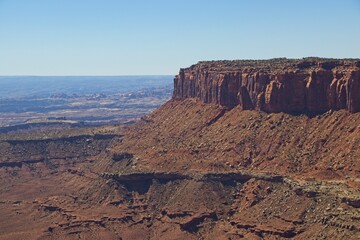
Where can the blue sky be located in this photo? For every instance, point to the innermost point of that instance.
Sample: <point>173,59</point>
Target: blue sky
<point>134,37</point>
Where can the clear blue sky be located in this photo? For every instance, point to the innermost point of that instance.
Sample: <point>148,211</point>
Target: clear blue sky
<point>122,37</point>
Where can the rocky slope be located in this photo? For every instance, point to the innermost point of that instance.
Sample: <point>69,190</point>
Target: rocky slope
<point>190,136</point>
<point>310,85</point>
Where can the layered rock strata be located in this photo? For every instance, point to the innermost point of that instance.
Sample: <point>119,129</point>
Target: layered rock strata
<point>309,85</point>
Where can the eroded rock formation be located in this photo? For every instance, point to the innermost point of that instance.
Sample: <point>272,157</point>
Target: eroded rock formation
<point>309,86</point>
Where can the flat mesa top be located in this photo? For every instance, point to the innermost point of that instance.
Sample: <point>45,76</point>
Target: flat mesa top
<point>278,64</point>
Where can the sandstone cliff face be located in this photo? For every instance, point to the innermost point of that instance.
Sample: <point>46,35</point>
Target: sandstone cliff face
<point>310,85</point>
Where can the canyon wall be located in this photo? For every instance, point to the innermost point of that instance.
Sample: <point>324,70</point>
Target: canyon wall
<point>309,85</point>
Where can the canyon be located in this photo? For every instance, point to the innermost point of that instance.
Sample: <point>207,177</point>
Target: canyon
<point>245,149</point>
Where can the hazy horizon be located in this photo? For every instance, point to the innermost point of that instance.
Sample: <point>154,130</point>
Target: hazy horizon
<point>123,75</point>
<point>45,86</point>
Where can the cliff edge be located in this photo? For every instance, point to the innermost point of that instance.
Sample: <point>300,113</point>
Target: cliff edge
<point>309,85</point>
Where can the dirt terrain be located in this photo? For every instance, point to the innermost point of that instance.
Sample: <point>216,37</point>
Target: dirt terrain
<point>189,170</point>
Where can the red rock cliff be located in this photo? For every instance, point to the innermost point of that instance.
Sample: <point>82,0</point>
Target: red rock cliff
<point>309,85</point>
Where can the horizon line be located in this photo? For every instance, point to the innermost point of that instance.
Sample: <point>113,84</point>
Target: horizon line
<point>120,75</point>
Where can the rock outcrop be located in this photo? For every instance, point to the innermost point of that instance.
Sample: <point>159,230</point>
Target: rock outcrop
<point>309,85</point>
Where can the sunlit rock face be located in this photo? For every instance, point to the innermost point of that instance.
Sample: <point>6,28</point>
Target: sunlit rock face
<point>309,85</point>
